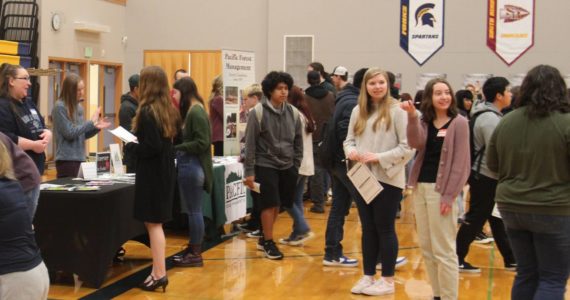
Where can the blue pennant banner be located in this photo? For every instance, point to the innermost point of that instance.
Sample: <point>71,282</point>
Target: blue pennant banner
<point>421,28</point>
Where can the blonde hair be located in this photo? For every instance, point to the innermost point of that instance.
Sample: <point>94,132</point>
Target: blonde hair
<point>365,104</point>
<point>253,90</point>
<point>217,86</point>
<point>154,96</point>
<point>6,169</point>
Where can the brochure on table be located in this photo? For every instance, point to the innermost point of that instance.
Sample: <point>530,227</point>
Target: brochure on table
<point>116,159</point>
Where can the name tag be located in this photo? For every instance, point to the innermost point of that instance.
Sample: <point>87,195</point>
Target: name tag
<point>34,112</point>
<point>441,132</point>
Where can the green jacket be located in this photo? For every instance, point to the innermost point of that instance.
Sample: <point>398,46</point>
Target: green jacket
<point>532,159</point>
<point>196,140</point>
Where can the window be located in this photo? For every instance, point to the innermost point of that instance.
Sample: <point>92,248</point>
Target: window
<point>298,54</point>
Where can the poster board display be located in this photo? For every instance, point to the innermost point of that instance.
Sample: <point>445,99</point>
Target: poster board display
<point>238,69</point>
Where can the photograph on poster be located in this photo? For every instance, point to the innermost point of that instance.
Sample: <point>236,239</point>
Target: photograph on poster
<point>242,108</point>
<point>231,125</point>
<point>231,95</point>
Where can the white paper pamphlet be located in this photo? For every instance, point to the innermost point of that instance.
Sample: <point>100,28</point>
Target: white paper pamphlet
<point>256,187</point>
<point>124,135</point>
<point>365,182</point>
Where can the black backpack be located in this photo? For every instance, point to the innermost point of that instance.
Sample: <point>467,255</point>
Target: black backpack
<point>477,156</point>
<point>326,148</point>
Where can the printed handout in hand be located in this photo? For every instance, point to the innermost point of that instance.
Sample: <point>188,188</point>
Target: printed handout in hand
<point>256,187</point>
<point>124,135</point>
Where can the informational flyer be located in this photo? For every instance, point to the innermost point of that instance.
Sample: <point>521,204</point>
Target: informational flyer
<point>423,79</point>
<point>238,69</point>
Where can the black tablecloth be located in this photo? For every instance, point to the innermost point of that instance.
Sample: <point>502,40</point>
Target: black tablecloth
<point>80,232</point>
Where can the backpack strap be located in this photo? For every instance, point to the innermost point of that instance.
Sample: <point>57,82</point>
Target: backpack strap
<point>479,154</point>
<point>258,112</point>
<point>295,113</point>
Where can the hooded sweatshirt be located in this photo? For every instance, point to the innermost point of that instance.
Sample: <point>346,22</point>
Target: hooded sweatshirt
<point>483,129</point>
<point>321,104</point>
<point>346,100</point>
<point>127,111</point>
<point>276,142</point>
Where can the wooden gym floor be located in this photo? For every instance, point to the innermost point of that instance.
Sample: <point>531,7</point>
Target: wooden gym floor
<point>234,269</point>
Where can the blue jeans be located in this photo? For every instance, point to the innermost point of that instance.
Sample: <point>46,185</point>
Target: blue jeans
<point>33,197</point>
<point>300,225</point>
<point>191,186</point>
<point>541,244</point>
<point>343,193</point>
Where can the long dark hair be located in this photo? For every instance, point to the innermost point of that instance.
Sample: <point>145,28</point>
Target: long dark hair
<point>427,109</point>
<point>297,99</point>
<point>460,96</point>
<point>154,96</point>
<point>543,91</point>
<point>188,91</point>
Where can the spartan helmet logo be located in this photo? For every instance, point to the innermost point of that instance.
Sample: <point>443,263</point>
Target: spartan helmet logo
<point>423,14</point>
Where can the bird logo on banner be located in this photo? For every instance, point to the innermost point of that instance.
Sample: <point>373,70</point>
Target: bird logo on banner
<point>423,13</point>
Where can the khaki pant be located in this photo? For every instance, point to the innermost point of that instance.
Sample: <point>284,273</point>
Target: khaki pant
<point>436,234</point>
<point>31,284</point>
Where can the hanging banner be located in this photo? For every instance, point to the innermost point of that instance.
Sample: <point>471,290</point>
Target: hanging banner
<point>510,28</point>
<point>238,69</point>
<point>421,28</point>
<point>236,201</point>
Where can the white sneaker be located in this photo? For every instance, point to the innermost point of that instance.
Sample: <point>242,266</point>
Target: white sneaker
<point>400,262</point>
<point>380,287</point>
<point>362,284</point>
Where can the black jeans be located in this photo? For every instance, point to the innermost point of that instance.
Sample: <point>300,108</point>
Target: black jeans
<point>378,221</point>
<point>343,193</point>
<point>317,181</point>
<point>255,221</point>
<point>482,191</point>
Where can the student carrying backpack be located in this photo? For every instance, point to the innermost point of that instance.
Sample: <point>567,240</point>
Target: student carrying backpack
<point>477,155</point>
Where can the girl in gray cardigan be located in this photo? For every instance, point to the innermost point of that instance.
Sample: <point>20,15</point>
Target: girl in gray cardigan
<point>70,129</point>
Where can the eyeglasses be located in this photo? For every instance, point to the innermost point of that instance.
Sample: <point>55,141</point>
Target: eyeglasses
<point>23,78</point>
